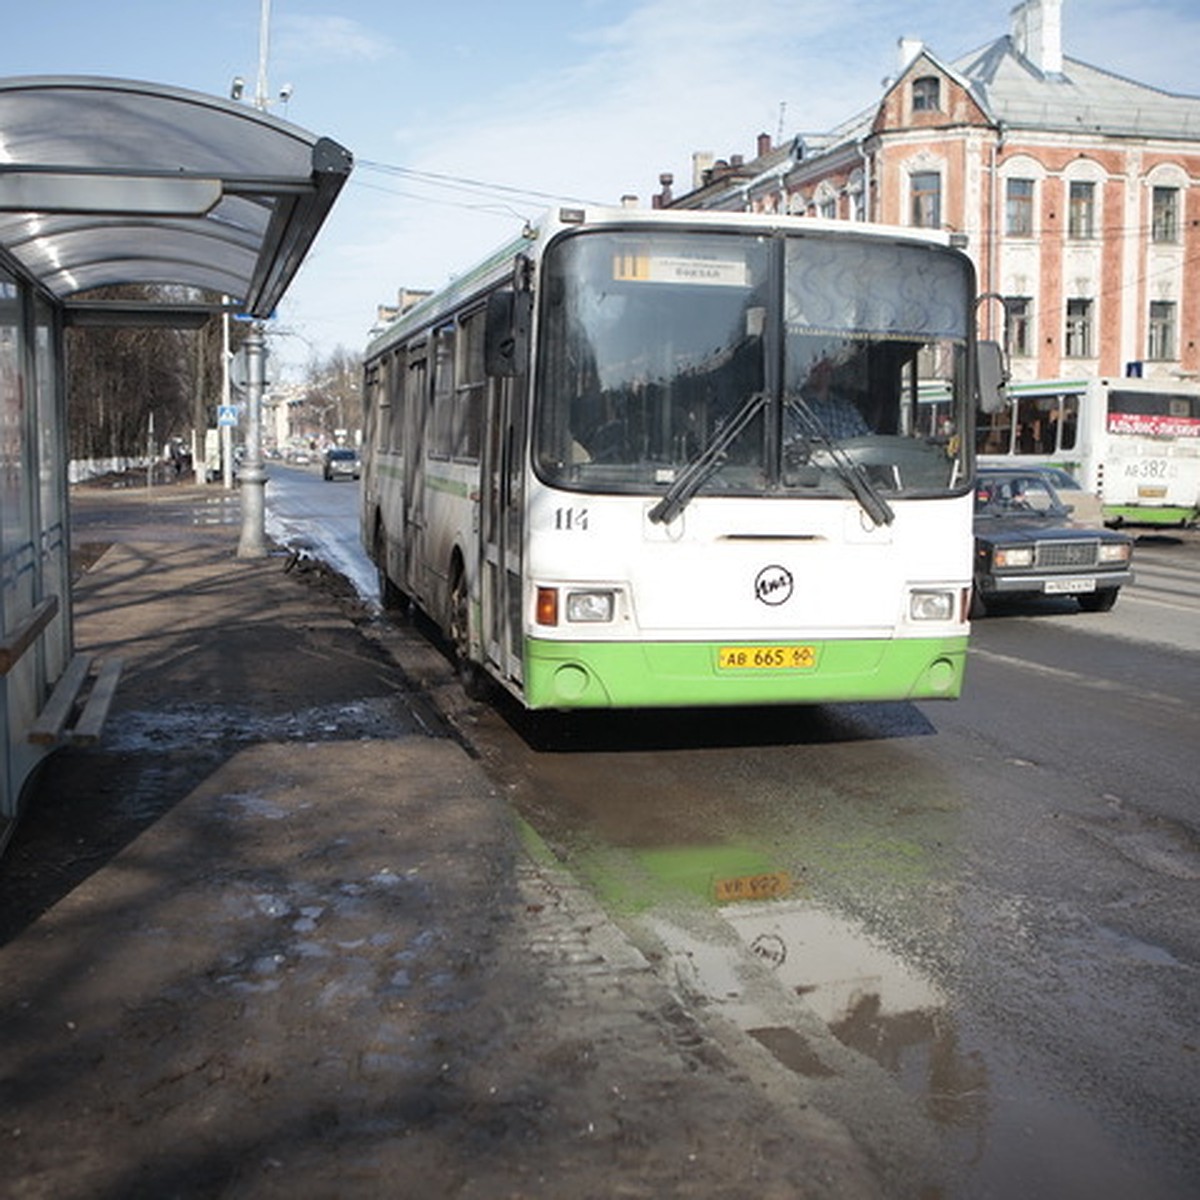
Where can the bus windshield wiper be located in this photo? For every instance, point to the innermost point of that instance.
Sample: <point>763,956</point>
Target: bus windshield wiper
<point>854,474</point>
<point>707,462</point>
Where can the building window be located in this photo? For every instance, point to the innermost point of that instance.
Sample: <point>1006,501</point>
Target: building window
<point>1160,343</point>
<point>927,199</point>
<point>927,94</point>
<point>1164,218</point>
<point>1081,211</point>
<point>1018,208</point>
<point>1079,328</point>
<point>827,207</point>
<point>1018,311</point>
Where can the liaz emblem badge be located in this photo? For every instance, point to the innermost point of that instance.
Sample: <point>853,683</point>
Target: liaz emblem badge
<point>773,585</point>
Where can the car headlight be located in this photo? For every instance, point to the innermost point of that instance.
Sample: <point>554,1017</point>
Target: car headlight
<point>1114,552</point>
<point>1013,556</point>
<point>931,606</point>
<point>590,607</point>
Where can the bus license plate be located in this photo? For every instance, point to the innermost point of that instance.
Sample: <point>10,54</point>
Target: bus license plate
<point>766,658</point>
<point>1068,587</point>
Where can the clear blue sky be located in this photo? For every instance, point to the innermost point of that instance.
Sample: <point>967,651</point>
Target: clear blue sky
<point>589,99</point>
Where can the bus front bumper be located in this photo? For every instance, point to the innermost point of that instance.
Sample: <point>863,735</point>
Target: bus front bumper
<point>566,675</point>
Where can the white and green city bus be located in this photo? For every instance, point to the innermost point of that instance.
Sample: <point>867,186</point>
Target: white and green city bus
<point>1133,442</point>
<point>674,459</point>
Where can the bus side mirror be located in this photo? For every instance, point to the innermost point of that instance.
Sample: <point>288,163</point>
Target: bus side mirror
<point>506,332</point>
<point>992,378</point>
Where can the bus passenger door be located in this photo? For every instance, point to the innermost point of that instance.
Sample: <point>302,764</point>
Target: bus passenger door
<point>503,504</point>
<point>416,413</point>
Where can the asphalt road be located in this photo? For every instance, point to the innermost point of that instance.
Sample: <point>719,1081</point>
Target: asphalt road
<point>984,913</point>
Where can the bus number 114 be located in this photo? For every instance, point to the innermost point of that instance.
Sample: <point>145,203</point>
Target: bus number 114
<point>567,519</point>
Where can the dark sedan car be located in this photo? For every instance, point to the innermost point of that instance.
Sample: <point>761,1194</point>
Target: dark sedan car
<point>1027,545</point>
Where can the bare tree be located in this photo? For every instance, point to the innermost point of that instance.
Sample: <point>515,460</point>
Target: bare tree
<point>123,382</point>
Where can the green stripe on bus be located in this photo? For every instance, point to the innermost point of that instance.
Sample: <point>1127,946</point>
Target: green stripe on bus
<point>685,674</point>
<point>1136,514</point>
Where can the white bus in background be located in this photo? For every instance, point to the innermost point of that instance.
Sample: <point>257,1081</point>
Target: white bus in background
<point>596,461</point>
<point>1134,443</point>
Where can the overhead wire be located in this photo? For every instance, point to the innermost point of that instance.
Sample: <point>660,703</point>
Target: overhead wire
<point>465,184</point>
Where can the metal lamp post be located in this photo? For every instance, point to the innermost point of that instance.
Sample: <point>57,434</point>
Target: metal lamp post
<point>253,543</point>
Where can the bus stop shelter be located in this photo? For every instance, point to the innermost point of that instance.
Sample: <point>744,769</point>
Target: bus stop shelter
<point>104,182</point>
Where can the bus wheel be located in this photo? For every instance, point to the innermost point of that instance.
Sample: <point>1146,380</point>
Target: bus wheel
<point>392,600</point>
<point>470,674</point>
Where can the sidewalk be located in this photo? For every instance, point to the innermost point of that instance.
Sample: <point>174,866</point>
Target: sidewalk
<point>279,935</point>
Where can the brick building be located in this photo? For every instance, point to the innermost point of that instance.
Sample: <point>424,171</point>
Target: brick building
<point>1076,192</point>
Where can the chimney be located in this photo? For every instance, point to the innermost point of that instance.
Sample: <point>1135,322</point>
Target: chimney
<point>663,199</point>
<point>1037,34</point>
<point>907,48</point>
<point>702,165</point>
<point>764,145</point>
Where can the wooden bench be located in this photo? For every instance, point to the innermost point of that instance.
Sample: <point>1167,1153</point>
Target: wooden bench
<point>52,725</point>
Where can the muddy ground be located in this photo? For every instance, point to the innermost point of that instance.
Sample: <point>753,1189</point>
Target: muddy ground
<point>280,935</point>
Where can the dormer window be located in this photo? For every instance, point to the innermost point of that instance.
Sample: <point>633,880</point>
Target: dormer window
<point>927,94</point>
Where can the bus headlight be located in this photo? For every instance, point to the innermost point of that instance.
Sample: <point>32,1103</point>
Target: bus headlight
<point>590,607</point>
<point>931,606</point>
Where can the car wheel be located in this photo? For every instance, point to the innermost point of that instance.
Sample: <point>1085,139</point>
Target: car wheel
<point>1101,601</point>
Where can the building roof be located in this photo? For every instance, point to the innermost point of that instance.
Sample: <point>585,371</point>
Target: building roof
<point>1083,98</point>
<point>113,181</point>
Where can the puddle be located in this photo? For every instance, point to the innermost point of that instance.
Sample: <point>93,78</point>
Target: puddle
<point>777,964</point>
<point>828,962</point>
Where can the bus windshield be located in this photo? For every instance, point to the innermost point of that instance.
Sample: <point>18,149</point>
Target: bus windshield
<point>748,364</point>
<point>1155,414</point>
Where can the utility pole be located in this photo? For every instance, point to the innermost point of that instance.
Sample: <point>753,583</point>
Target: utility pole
<point>253,543</point>
<point>253,478</point>
<point>264,42</point>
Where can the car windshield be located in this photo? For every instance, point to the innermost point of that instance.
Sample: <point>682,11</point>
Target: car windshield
<point>1017,495</point>
<point>342,454</point>
<point>675,363</point>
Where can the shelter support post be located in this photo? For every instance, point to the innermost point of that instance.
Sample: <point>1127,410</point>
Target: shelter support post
<point>253,543</point>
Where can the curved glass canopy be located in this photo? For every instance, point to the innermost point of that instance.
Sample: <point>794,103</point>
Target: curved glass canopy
<point>112,181</point>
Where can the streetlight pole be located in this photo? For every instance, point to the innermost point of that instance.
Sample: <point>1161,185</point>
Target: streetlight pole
<point>253,543</point>
<point>264,42</point>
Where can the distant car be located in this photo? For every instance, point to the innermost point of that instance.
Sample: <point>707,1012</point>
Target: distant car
<point>1027,545</point>
<point>342,463</point>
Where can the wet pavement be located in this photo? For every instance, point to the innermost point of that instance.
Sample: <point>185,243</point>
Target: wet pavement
<point>280,934</point>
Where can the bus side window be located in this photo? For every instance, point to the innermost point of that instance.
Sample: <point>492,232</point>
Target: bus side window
<point>992,432</point>
<point>441,433</point>
<point>391,429</point>
<point>1070,422</point>
<point>467,432</point>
